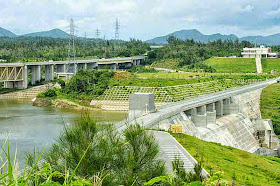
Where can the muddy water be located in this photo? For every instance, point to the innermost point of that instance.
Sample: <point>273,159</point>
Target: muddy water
<point>30,127</point>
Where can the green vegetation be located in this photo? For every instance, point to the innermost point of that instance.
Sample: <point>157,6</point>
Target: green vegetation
<point>232,65</point>
<point>172,79</point>
<point>188,54</point>
<point>270,105</point>
<point>27,49</point>
<point>87,84</point>
<point>242,167</point>
<point>270,64</point>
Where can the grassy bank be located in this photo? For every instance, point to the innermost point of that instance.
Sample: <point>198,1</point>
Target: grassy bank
<point>172,79</point>
<point>270,105</point>
<point>239,65</point>
<point>270,64</point>
<point>247,168</point>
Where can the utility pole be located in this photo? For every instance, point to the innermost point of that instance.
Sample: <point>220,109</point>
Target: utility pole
<point>117,30</point>
<point>97,33</point>
<point>85,43</point>
<point>72,47</point>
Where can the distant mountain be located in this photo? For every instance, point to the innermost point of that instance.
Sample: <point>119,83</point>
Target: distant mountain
<point>266,40</point>
<point>6,33</point>
<point>192,34</point>
<point>54,33</point>
<point>197,36</point>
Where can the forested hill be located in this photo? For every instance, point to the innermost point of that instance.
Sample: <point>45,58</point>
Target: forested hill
<point>271,40</point>
<point>6,33</point>
<point>192,34</point>
<point>54,33</point>
<point>26,49</point>
<point>188,54</point>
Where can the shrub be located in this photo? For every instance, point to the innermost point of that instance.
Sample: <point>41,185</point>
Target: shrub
<point>61,82</point>
<point>50,93</point>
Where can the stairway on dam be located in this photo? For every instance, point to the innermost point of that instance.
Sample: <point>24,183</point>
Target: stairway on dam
<point>170,149</point>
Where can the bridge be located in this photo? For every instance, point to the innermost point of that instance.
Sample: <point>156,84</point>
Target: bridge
<point>16,75</point>
<point>230,117</point>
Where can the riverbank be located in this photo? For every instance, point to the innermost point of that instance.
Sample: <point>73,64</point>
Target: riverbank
<point>61,104</point>
<point>29,93</point>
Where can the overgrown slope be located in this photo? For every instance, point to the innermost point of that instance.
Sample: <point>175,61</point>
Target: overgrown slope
<point>270,105</point>
<point>232,64</point>
<point>247,168</point>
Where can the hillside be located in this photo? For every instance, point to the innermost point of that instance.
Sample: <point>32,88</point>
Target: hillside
<point>192,34</point>
<point>54,33</point>
<point>270,101</point>
<point>239,65</point>
<point>198,36</point>
<point>247,168</point>
<point>6,33</point>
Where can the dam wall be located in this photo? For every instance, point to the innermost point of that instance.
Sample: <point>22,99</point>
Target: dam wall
<point>231,118</point>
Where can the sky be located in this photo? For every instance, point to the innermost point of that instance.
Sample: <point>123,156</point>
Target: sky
<point>142,19</point>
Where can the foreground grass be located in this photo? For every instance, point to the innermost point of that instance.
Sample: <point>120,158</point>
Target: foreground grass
<point>247,168</point>
<point>239,65</point>
<point>270,105</point>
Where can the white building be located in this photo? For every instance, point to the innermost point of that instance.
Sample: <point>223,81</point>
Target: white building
<point>262,51</point>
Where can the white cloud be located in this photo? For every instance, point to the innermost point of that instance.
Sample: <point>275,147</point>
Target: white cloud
<point>142,19</point>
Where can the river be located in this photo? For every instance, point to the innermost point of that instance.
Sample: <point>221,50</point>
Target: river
<point>30,127</point>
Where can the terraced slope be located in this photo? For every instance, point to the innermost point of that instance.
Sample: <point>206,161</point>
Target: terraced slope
<point>233,65</point>
<point>173,93</point>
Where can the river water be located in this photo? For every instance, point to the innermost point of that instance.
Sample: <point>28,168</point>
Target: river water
<point>30,127</point>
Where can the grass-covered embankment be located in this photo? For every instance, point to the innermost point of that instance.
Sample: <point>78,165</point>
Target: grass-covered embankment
<point>270,64</point>
<point>247,168</point>
<point>239,65</point>
<point>270,105</point>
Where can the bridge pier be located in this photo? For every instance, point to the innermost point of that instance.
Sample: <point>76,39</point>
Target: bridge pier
<point>49,72</point>
<point>81,66</point>
<point>61,68</point>
<point>211,113</point>
<point>35,74</point>
<point>229,107</point>
<point>219,108</point>
<point>201,118</point>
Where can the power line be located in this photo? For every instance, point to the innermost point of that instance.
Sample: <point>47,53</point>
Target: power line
<point>117,30</point>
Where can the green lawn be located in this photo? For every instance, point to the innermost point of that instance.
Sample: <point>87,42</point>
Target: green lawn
<point>234,65</point>
<point>270,105</point>
<point>248,168</point>
<point>270,64</point>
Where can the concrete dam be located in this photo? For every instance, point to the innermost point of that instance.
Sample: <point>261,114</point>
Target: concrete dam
<point>230,117</point>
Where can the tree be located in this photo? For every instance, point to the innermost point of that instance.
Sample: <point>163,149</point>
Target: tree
<point>132,159</point>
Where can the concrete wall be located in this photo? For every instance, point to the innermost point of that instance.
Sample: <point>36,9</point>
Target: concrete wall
<point>234,121</point>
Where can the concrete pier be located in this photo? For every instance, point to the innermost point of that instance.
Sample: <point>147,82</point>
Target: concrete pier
<point>49,72</point>
<point>35,74</point>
